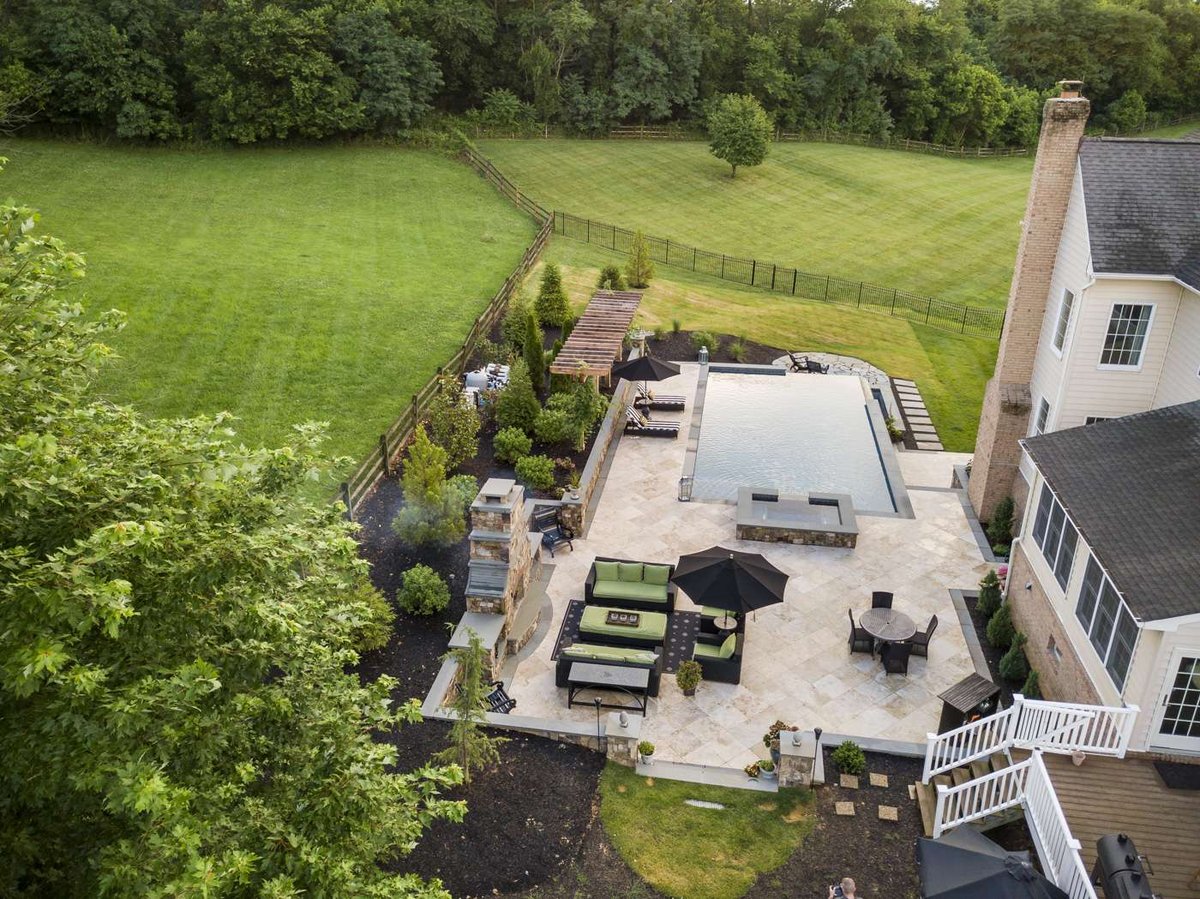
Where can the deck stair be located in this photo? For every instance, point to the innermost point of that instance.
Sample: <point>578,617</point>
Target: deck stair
<point>926,793</point>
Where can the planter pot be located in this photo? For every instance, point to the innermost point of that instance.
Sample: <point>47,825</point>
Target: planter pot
<point>1078,757</point>
<point>646,759</point>
<point>767,775</point>
<point>775,757</point>
<point>690,692</point>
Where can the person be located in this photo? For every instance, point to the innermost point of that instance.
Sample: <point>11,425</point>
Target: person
<point>845,889</point>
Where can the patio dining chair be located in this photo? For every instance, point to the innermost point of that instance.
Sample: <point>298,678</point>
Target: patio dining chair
<point>895,657</point>
<point>920,640</point>
<point>881,600</point>
<point>860,638</point>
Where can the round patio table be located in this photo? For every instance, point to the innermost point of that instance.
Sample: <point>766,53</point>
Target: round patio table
<point>887,625</point>
<point>726,623</point>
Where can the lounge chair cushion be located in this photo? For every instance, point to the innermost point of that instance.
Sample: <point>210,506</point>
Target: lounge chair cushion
<point>630,590</point>
<point>656,574</point>
<point>606,571</point>
<point>724,651</point>
<point>650,626</point>
<point>610,653</point>
<point>627,572</point>
<point>715,612</point>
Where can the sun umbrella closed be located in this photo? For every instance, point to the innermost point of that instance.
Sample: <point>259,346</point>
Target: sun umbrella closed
<point>964,864</point>
<point>728,579</point>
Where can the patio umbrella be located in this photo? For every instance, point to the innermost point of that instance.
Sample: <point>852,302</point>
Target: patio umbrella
<point>645,368</point>
<point>964,864</point>
<point>730,580</point>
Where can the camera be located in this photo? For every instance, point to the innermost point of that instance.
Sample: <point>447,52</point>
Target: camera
<point>837,891</point>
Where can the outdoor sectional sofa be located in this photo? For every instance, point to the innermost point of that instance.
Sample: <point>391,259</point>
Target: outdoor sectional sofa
<point>650,631</point>
<point>625,584</point>
<point>628,656</point>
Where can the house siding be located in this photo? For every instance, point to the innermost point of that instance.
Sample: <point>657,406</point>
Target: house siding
<point>1148,678</point>
<point>1180,381</point>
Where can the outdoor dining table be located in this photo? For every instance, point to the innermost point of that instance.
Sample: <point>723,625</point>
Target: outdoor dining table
<point>887,625</point>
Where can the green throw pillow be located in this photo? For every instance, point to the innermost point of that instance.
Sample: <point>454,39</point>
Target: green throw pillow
<point>657,574</point>
<point>630,571</point>
<point>606,571</point>
<point>728,647</point>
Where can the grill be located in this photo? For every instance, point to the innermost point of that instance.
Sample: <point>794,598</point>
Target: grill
<point>1119,869</point>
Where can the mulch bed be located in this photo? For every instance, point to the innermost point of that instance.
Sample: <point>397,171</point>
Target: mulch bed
<point>879,855</point>
<point>990,653</point>
<point>678,347</point>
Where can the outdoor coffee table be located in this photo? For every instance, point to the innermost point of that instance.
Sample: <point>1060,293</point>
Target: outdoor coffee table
<point>887,625</point>
<point>627,679</point>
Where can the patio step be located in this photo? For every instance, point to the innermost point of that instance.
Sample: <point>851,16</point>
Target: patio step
<point>710,775</point>
<point>915,416</point>
<point>927,793</point>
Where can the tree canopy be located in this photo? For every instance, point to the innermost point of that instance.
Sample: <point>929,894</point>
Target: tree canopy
<point>249,70</point>
<point>739,131</point>
<point>175,630</point>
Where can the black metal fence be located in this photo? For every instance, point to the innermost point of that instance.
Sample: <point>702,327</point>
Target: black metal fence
<point>912,307</point>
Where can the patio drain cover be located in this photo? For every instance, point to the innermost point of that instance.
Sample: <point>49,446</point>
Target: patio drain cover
<point>701,803</point>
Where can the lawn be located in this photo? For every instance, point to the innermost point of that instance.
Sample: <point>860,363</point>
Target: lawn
<point>949,369</point>
<point>700,853</point>
<point>282,285</point>
<point>942,227</point>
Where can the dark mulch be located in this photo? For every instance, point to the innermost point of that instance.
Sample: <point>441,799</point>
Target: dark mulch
<point>678,347</point>
<point>879,855</point>
<point>990,653</point>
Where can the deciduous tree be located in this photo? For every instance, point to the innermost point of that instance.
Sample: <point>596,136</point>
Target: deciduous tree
<point>739,131</point>
<point>639,268</point>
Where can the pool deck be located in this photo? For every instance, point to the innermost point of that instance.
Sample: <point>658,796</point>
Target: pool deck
<point>796,666</point>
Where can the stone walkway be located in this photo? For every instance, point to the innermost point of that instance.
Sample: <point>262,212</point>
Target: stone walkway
<point>797,667</point>
<point>916,416</point>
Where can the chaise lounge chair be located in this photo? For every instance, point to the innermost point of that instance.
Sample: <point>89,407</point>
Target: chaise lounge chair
<point>638,425</point>
<point>647,399</point>
<point>809,366</point>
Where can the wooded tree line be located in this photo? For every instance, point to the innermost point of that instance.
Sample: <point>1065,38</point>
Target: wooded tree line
<point>956,71</point>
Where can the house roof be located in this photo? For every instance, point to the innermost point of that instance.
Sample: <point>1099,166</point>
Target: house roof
<point>1132,487</point>
<point>1143,206</point>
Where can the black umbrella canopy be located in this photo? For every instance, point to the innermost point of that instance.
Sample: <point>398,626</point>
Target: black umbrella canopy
<point>645,368</point>
<point>728,579</point>
<point>964,864</point>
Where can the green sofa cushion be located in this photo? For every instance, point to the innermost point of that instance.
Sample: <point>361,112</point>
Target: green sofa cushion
<point>724,651</point>
<point>657,574</point>
<point>606,571</point>
<point>610,653</point>
<point>650,626</point>
<point>714,612</point>
<point>630,590</point>
<point>629,572</point>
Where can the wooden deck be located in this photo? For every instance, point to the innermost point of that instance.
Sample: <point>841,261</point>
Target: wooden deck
<point>1106,795</point>
<point>596,340</point>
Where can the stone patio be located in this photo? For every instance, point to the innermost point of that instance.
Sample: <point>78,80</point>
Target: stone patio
<point>796,665</point>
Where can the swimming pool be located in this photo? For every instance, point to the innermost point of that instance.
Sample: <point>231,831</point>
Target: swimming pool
<point>796,434</point>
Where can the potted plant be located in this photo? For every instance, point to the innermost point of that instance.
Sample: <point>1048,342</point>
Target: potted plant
<point>645,752</point>
<point>752,770</point>
<point>766,769</point>
<point>771,738</point>
<point>689,676</point>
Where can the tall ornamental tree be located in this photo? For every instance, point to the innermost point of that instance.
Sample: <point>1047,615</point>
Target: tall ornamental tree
<point>739,131</point>
<point>176,716</point>
<point>553,307</point>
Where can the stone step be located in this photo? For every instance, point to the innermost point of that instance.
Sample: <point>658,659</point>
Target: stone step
<point>930,447</point>
<point>904,382</point>
<point>924,429</point>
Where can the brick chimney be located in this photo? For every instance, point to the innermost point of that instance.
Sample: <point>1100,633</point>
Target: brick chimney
<point>1006,402</point>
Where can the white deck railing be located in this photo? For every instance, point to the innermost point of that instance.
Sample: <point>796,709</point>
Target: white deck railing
<point>1059,727</point>
<point>1026,784</point>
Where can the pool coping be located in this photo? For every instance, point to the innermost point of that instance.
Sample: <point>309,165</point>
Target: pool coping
<point>888,460</point>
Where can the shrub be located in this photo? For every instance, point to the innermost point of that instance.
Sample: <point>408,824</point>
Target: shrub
<point>536,472</point>
<point>373,631</point>
<point>512,328</point>
<point>517,405</point>
<point>611,279</point>
<point>676,327</point>
<point>534,355</point>
<point>1000,629</point>
<point>895,432</point>
<point>511,445</point>
<point>645,748</point>
<point>660,334</point>
<point>689,675</point>
<point>640,267</point>
<point>568,327</point>
<point>433,512</point>
<point>488,351</point>
<point>462,489</point>
<point>1031,689</point>
<point>849,758</point>
<point>999,529</point>
<point>989,595</point>
<point>555,425</point>
<point>469,746</point>
<point>422,591</point>
<point>737,349</point>
<point>552,305</point>
<point>452,422</point>
<point>1014,667</point>
<point>708,339</point>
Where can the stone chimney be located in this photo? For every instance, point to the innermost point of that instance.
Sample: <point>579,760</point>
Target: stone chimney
<point>1006,402</point>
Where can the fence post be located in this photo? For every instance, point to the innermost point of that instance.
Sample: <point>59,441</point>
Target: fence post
<point>860,289</point>
<point>589,230</point>
<point>826,287</point>
<point>893,301</point>
<point>773,268</point>
<point>345,491</point>
<point>668,259</point>
<point>963,329</point>
<point>795,273</point>
<point>753,270</point>
<point>693,258</point>
<point>928,309</point>
<point>722,265</point>
<point>384,454</point>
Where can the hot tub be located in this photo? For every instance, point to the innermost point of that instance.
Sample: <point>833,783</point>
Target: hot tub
<point>813,519</point>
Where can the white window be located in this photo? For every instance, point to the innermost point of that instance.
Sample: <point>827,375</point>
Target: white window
<point>1043,413</point>
<point>1107,622</point>
<point>1093,419</point>
<point>1055,536</point>
<point>1064,318</point>
<point>1126,337</point>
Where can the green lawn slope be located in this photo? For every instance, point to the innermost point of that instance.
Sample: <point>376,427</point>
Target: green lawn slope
<point>943,227</point>
<point>282,285</point>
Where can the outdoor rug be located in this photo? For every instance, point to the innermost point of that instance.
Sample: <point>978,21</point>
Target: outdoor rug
<point>1178,775</point>
<point>682,628</point>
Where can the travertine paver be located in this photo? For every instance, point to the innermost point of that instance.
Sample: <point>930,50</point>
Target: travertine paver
<point>889,813</point>
<point>878,780</point>
<point>849,781</point>
<point>797,667</point>
<point>845,809</point>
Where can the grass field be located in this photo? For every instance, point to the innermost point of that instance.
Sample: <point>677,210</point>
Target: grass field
<point>950,370</point>
<point>943,227</point>
<point>282,285</point>
<point>699,853</point>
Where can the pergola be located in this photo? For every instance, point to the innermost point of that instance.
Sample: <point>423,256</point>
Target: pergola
<point>596,340</point>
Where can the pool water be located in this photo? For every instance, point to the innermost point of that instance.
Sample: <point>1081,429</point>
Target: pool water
<point>797,434</point>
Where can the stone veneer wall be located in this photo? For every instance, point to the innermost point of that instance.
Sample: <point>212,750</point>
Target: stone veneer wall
<point>515,552</point>
<point>1064,679</point>
<point>576,513</point>
<point>1005,416</point>
<point>806,537</point>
